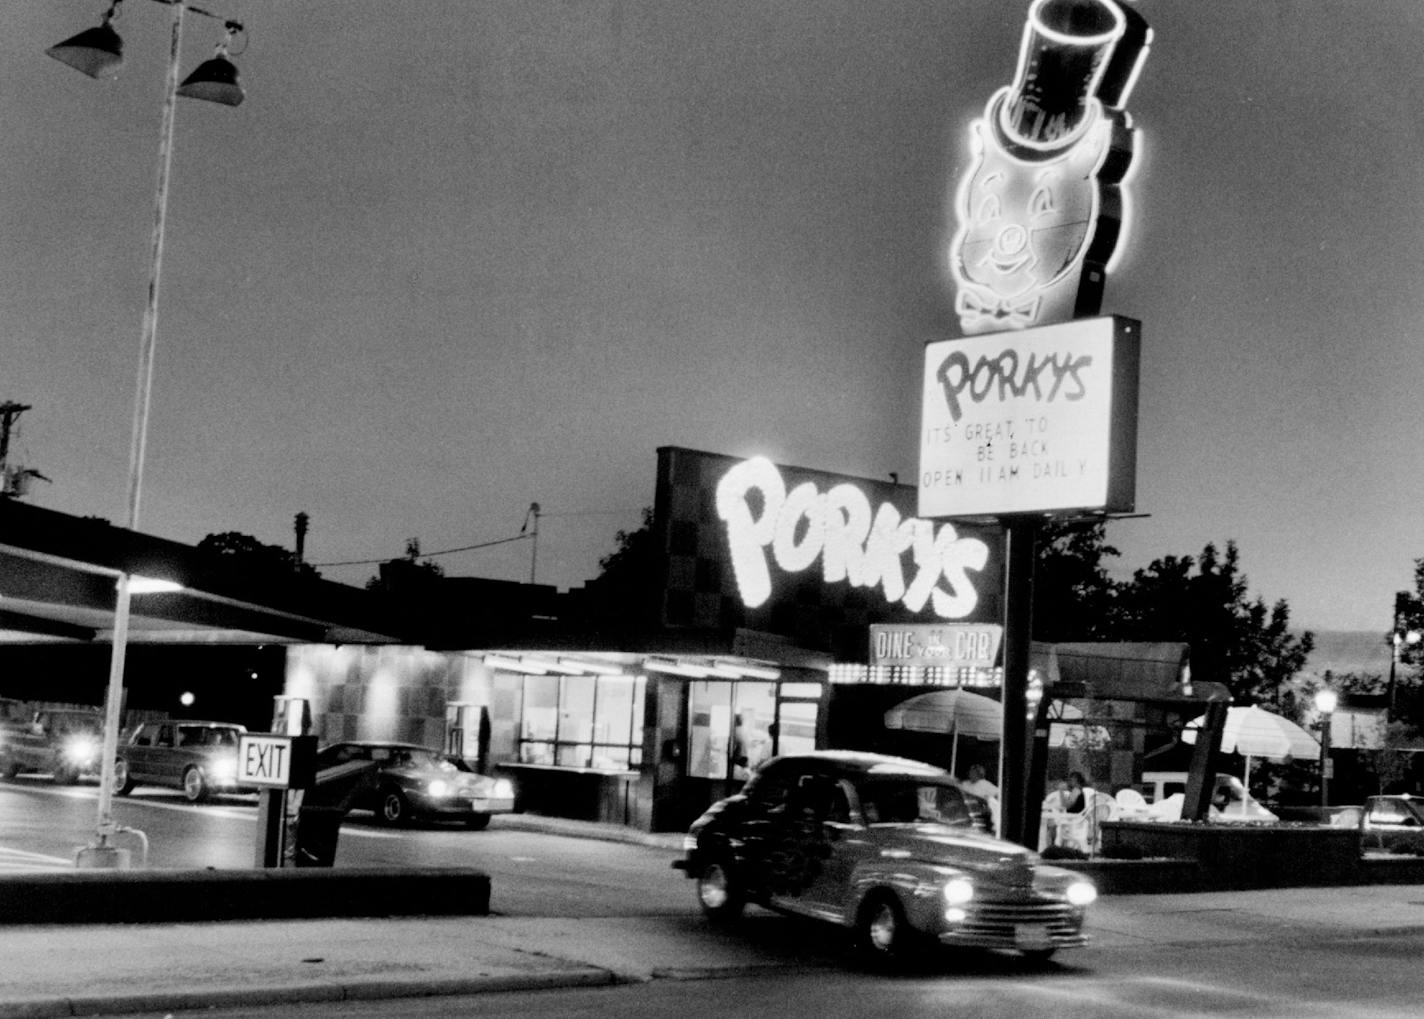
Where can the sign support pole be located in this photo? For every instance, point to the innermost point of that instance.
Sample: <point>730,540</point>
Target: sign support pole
<point>1020,535</point>
<point>271,827</point>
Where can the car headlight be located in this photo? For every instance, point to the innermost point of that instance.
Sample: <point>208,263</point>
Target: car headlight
<point>438,787</point>
<point>80,749</point>
<point>958,891</point>
<point>503,789</point>
<point>223,769</point>
<point>1080,893</point>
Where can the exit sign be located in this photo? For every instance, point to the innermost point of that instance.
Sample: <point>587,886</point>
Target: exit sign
<point>264,759</point>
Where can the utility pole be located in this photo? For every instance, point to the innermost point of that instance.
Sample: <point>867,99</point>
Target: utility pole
<point>533,514</point>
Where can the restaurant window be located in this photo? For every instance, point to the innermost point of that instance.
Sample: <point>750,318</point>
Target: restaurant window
<point>582,722</point>
<point>729,728</point>
<point>797,727</point>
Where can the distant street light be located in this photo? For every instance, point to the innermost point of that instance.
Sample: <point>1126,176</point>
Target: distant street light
<point>1325,703</point>
<point>1398,641</point>
<point>98,52</point>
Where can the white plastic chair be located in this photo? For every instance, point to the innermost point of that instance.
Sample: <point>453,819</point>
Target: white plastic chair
<point>1082,831</point>
<point>1131,803</point>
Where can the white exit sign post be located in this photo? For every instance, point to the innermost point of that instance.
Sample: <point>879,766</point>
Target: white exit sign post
<point>275,764</point>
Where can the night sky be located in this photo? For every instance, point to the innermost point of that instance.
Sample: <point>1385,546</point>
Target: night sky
<point>452,258</point>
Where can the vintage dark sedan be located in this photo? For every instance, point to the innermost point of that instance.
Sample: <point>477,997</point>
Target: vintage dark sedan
<point>416,782</point>
<point>884,846</point>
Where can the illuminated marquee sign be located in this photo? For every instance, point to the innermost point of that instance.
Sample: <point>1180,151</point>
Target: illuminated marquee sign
<point>854,543</point>
<point>1043,204</point>
<point>944,645</point>
<point>1034,421</point>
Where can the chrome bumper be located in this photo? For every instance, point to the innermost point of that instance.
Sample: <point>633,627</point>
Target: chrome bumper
<point>1023,926</point>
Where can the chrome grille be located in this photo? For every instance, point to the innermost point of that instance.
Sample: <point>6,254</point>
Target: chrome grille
<point>995,923</point>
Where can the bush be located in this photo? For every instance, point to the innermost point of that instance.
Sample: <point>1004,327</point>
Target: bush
<point>1063,853</point>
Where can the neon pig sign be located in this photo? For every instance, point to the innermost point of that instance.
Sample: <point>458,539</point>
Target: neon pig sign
<point>854,545</point>
<point>1043,204</point>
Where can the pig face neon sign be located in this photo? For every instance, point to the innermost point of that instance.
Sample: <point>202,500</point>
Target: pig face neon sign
<point>1042,206</point>
<point>855,545</point>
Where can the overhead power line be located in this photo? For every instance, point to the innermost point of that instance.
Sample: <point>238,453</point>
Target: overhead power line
<point>426,555</point>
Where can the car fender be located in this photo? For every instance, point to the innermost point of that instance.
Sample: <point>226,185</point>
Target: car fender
<point>918,885</point>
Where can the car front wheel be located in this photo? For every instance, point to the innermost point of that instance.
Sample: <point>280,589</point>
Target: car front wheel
<point>195,787</point>
<point>394,808</point>
<point>720,893</point>
<point>881,929</point>
<point>123,782</point>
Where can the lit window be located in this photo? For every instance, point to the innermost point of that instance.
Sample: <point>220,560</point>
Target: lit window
<point>582,722</point>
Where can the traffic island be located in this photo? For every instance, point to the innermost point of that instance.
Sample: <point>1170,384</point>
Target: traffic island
<point>187,896</point>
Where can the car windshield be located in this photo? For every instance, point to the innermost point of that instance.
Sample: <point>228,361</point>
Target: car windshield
<point>205,736</point>
<point>425,760</point>
<point>912,801</point>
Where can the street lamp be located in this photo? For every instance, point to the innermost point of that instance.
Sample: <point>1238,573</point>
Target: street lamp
<point>98,52</point>
<point>1325,702</point>
<point>1397,642</point>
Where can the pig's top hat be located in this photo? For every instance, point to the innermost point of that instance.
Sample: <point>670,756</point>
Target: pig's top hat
<point>1066,51</point>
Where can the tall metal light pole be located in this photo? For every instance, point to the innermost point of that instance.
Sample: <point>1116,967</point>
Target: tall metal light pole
<point>98,53</point>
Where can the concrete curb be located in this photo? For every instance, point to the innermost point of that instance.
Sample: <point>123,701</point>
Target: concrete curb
<point>50,1007</point>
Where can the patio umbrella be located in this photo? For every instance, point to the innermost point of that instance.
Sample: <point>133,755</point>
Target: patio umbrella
<point>1254,732</point>
<point>954,711</point>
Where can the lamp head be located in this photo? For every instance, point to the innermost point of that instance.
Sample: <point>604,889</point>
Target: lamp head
<point>1326,701</point>
<point>215,81</point>
<point>97,52</point>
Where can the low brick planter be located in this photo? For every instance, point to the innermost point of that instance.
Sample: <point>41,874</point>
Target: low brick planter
<point>1246,855</point>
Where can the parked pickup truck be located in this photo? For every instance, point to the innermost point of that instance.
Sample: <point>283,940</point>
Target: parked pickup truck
<point>1394,823</point>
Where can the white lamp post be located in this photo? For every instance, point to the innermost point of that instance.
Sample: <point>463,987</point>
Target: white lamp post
<point>1325,703</point>
<point>98,52</point>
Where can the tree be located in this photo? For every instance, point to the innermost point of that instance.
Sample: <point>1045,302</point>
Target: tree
<point>628,583</point>
<point>1074,599</point>
<point>246,552</point>
<point>1234,640</point>
<point>400,575</point>
<point>1392,762</point>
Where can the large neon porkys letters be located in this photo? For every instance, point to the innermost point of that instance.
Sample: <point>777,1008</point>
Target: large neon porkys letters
<point>853,545</point>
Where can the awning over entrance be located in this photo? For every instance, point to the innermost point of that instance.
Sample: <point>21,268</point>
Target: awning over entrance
<point>57,585</point>
<point>1150,672</point>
